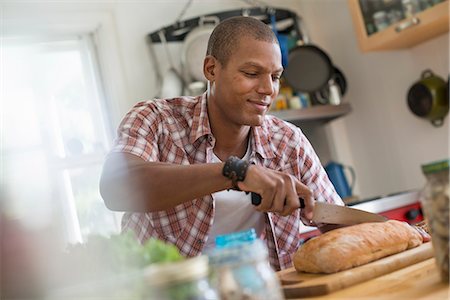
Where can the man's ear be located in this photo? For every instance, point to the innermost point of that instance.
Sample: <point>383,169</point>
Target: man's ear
<point>210,65</point>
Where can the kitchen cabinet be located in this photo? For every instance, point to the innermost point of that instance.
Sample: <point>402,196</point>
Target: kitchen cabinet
<point>392,24</point>
<point>318,114</point>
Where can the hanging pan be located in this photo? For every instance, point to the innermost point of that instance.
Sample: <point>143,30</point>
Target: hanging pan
<point>309,67</point>
<point>428,98</point>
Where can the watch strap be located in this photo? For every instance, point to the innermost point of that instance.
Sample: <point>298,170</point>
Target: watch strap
<point>236,170</point>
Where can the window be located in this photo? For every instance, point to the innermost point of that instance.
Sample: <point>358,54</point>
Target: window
<point>55,134</point>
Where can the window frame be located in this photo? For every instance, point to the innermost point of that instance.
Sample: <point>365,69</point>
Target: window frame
<point>97,30</point>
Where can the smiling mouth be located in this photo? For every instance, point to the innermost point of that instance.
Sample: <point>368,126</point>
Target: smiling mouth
<point>259,103</point>
<point>259,107</point>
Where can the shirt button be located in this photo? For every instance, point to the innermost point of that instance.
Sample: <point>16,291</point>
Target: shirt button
<point>210,139</point>
<point>199,241</point>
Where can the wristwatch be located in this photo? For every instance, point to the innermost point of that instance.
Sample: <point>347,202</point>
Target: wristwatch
<point>235,169</point>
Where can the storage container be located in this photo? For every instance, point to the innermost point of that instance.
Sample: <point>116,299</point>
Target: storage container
<point>435,203</point>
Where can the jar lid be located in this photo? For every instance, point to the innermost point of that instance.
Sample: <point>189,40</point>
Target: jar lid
<point>436,166</point>
<point>235,238</point>
<point>164,274</point>
<point>248,252</point>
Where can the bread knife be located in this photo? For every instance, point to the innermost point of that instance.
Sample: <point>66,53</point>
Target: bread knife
<point>326,213</point>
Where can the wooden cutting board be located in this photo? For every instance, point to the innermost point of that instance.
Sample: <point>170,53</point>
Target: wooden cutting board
<point>297,285</point>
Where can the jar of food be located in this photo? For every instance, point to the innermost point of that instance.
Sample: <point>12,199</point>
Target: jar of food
<point>435,204</point>
<point>183,280</point>
<point>381,20</point>
<point>411,7</point>
<point>240,268</point>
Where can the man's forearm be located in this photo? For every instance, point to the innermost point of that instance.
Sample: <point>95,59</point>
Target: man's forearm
<point>129,183</point>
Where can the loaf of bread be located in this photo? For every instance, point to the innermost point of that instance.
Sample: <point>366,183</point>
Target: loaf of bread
<point>356,245</point>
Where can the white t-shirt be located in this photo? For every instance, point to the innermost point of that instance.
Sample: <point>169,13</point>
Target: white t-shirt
<point>233,212</point>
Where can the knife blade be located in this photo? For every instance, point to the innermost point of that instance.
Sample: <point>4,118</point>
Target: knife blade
<point>333,214</point>
<point>327,213</point>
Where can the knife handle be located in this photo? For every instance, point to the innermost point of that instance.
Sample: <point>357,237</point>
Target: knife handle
<point>256,200</point>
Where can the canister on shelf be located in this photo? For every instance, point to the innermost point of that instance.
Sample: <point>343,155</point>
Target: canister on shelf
<point>281,102</point>
<point>435,203</point>
<point>334,93</point>
<point>295,102</point>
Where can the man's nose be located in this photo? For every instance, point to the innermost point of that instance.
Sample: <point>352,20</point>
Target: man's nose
<point>266,85</point>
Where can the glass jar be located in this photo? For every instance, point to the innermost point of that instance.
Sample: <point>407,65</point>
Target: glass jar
<point>241,270</point>
<point>381,20</point>
<point>411,7</point>
<point>184,280</point>
<point>435,204</point>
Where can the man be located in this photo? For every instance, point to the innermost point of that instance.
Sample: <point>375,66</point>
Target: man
<point>178,164</point>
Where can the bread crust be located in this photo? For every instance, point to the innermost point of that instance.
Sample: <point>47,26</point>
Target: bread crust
<point>352,246</point>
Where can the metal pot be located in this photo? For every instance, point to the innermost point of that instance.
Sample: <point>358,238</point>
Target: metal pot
<point>428,98</point>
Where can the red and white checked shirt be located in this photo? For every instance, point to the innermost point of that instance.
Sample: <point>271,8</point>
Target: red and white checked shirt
<point>178,131</point>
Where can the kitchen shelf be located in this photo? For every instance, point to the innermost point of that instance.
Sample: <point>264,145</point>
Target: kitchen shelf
<point>317,113</point>
<point>405,33</point>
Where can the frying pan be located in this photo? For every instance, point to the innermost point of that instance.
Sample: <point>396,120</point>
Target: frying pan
<point>309,67</point>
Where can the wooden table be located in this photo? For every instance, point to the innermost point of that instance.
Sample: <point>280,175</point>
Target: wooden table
<point>418,281</point>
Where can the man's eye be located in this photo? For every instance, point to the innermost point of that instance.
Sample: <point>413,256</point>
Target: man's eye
<point>276,77</point>
<point>250,74</point>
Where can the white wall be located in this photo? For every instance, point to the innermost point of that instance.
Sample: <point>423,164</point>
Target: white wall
<point>381,139</point>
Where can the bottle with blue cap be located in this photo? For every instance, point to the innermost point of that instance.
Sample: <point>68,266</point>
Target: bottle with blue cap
<point>240,268</point>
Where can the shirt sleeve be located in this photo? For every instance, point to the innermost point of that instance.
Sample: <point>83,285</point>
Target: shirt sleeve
<point>137,133</point>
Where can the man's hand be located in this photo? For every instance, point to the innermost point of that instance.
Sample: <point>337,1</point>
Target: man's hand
<point>280,192</point>
<point>422,228</point>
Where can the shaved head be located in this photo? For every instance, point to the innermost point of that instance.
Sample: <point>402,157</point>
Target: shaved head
<point>226,36</point>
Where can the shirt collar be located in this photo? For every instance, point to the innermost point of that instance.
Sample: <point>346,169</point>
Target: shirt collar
<point>261,141</point>
<point>200,120</point>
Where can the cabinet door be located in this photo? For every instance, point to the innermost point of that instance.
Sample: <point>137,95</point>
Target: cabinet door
<point>413,26</point>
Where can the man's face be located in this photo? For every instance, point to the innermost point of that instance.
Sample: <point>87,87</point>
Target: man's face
<point>246,86</point>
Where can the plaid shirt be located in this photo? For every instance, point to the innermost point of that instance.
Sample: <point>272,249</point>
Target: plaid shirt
<point>178,131</point>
